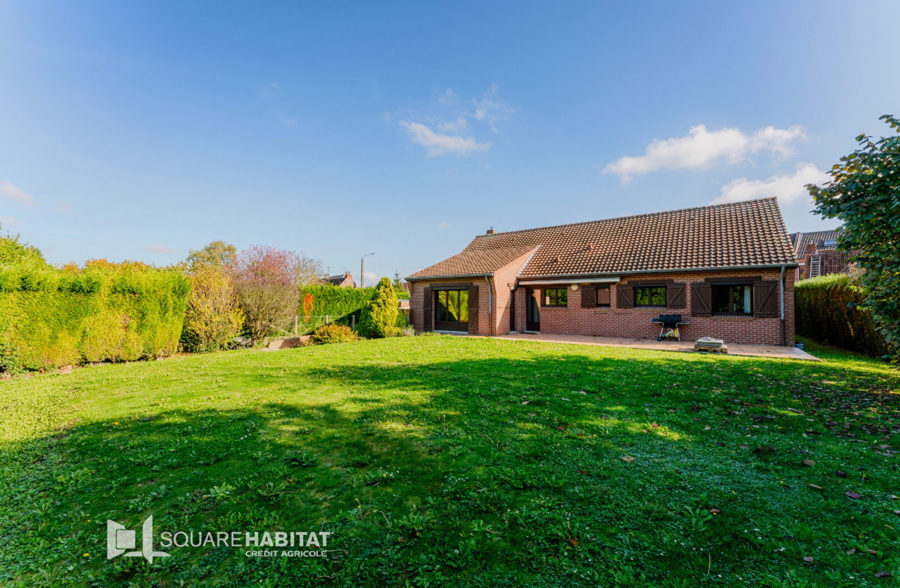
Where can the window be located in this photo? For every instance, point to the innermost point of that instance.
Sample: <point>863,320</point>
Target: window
<point>603,296</point>
<point>650,296</point>
<point>556,297</point>
<point>451,306</point>
<point>735,299</point>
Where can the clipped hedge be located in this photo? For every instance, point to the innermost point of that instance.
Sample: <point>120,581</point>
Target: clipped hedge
<point>338,304</point>
<point>828,310</point>
<point>51,318</point>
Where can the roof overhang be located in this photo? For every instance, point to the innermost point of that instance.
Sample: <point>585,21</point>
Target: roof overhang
<point>539,282</point>
<point>584,277</point>
<point>448,277</point>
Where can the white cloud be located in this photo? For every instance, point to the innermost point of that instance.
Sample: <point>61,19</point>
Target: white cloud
<point>371,278</point>
<point>457,126</point>
<point>448,98</point>
<point>158,249</point>
<point>8,221</point>
<point>438,144</point>
<point>491,109</point>
<point>702,148</point>
<point>10,192</point>
<point>63,206</point>
<point>443,225</point>
<point>788,188</point>
<point>453,126</point>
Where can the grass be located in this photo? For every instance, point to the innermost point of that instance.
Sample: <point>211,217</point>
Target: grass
<point>437,460</point>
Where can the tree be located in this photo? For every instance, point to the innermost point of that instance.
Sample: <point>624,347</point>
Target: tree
<point>217,253</point>
<point>379,316</point>
<point>864,193</point>
<point>399,287</point>
<point>267,282</point>
<point>14,252</point>
<point>212,319</point>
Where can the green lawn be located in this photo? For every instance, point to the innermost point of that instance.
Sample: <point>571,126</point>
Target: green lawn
<point>436,460</point>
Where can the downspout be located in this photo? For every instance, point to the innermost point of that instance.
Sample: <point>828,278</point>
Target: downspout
<point>781,290</point>
<point>490,306</point>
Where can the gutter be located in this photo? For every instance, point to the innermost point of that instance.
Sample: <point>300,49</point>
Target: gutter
<point>585,278</point>
<point>781,291</point>
<point>490,305</point>
<point>447,277</point>
<point>572,281</point>
<point>668,271</point>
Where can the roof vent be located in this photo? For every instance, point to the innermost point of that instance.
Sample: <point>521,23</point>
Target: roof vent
<point>557,259</point>
<point>491,231</point>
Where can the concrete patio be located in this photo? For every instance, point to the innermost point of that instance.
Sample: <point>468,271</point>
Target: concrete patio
<point>773,351</point>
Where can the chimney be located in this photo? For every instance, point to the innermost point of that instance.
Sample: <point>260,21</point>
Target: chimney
<point>491,231</point>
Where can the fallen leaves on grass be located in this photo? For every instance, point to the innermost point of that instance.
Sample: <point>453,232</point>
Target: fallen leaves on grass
<point>627,458</point>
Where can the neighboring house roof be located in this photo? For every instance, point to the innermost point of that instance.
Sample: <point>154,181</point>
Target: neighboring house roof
<point>740,234</point>
<point>818,238</point>
<point>340,280</point>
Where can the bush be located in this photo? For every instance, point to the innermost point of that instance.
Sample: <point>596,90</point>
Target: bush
<point>828,309</point>
<point>862,192</point>
<point>379,316</point>
<point>213,319</point>
<point>338,304</point>
<point>104,312</point>
<point>327,334</point>
<point>267,282</point>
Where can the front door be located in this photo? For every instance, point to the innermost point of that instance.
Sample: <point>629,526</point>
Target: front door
<point>532,310</point>
<point>451,310</point>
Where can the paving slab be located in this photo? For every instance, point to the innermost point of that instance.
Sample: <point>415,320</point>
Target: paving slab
<point>775,351</point>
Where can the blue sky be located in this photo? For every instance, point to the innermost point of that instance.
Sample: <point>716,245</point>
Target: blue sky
<point>140,130</point>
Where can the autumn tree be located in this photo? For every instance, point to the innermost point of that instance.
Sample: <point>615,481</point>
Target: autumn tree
<point>267,282</point>
<point>212,319</point>
<point>864,193</point>
<point>217,253</point>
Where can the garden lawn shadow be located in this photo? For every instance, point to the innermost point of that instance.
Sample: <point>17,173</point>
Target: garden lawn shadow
<point>436,460</point>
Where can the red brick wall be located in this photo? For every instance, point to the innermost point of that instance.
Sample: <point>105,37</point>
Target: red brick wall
<point>626,322</point>
<point>417,302</point>
<point>500,287</point>
<point>832,262</point>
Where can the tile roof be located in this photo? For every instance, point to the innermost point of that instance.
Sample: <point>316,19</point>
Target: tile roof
<point>800,240</point>
<point>738,234</point>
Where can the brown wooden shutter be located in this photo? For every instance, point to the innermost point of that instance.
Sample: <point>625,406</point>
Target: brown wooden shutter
<point>427,313</point>
<point>624,296</point>
<point>473,309</point>
<point>676,295</point>
<point>588,297</point>
<point>701,299</point>
<point>765,299</point>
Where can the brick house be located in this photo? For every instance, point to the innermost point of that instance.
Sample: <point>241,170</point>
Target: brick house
<point>344,280</point>
<point>727,269</point>
<point>817,254</point>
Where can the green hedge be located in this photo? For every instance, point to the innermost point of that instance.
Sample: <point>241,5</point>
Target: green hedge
<point>827,310</point>
<point>337,303</point>
<point>50,318</point>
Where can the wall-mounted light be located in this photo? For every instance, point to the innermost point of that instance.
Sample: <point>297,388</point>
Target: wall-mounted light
<point>574,287</point>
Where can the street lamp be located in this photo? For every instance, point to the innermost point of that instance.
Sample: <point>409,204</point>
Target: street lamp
<point>362,269</point>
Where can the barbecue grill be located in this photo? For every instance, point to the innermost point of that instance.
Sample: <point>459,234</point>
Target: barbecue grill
<point>669,326</point>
